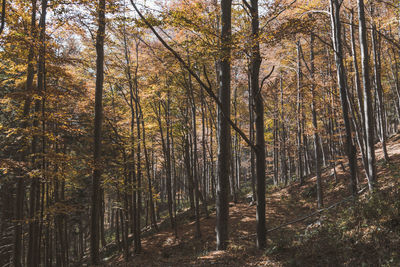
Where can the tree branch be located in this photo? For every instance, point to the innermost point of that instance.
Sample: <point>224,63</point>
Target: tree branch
<point>195,76</point>
<point>265,78</point>
<point>3,16</point>
<point>246,4</point>
<point>277,15</point>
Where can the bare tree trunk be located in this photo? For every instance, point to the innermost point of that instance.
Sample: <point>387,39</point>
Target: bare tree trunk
<point>359,127</point>
<point>396,87</point>
<point>137,239</point>
<point>299,117</point>
<point>213,182</point>
<point>320,199</point>
<point>232,181</point>
<point>189,173</point>
<point>276,138</point>
<point>368,112</point>
<point>203,143</point>
<point>379,89</point>
<point>124,215</point>
<point>341,78</point>
<point>252,155</point>
<point>168,164</point>
<point>96,186</point>
<point>284,174</point>
<point>224,134</point>
<point>259,121</point>
<point>195,158</point>
<point>151,200</point>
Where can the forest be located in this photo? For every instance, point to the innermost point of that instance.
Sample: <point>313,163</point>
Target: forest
<point>199,133</point>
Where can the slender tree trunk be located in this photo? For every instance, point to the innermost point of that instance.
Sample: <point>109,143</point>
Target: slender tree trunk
<point>299,115</point>
<point>96,183</point>
<point>368,112</point>
<point>284,174</point>
<point>203,143</point>
<point>232,181</point>
<point>320,199</point>
<point>341,78</point>
<point>189,174</point>
<point>166,150</point>
<point>379,90</point>
<point>259,122</point>
<point>276,138</point>
<point>224,134</point>
<point>252,154</point>
<point>124,215</point>
<point>194,157</point>
<point>360,129</point>
<point>357,80</point>
<point>138,244</point>
<point>396,87</point>
<point>151,200</point>
<point>169,166</point>
<point>212,172</point>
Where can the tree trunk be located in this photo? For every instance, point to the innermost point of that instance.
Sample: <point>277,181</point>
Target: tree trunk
<point>194,157</point>
<point>284,174</point>
<point>33,257</point>
<point>320,199</point>
<point>203,143</point>
<point>299,117</point>
<point>360,129</point>
<point>224,134</point>
<point>341,79</point>
<point>368,112</point>
<point>259,122</point>
<point>252,155</point>
<point>379,89</point>
<point>151,200</point>
<point>96,184</point>
<point>137,239</point>
<point>189,177</point>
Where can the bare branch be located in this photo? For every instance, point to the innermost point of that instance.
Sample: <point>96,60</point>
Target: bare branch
<point>3,16</point>
<point>195,76</point>
<point>266,78</point>
<point>277,15</point>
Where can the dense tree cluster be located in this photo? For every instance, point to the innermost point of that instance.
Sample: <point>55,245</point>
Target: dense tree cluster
<point>117,115</point>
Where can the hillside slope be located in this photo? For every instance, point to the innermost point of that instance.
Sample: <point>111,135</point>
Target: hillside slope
<point>362,232</point>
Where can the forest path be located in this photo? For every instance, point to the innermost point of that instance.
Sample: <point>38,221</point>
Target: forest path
<point>283,205</point>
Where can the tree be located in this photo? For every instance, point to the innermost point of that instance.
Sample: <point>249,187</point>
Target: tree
<point>255,63</point>
<point>97,159</point>
<point>317,146</point>
<point>342,82</point>
<point>368,112</point>
<point>224,133</point>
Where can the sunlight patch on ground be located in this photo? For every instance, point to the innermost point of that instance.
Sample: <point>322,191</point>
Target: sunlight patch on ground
<point>169,241</point>
<point>247,219</point>
<point>213,255</point>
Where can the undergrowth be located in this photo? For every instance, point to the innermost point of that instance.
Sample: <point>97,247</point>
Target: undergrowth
<point>365,232</point>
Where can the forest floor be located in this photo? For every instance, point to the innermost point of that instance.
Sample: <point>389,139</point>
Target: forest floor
<point>350,232</point>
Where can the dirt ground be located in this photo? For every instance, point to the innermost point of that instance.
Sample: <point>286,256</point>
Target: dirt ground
<point>283,205</point>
